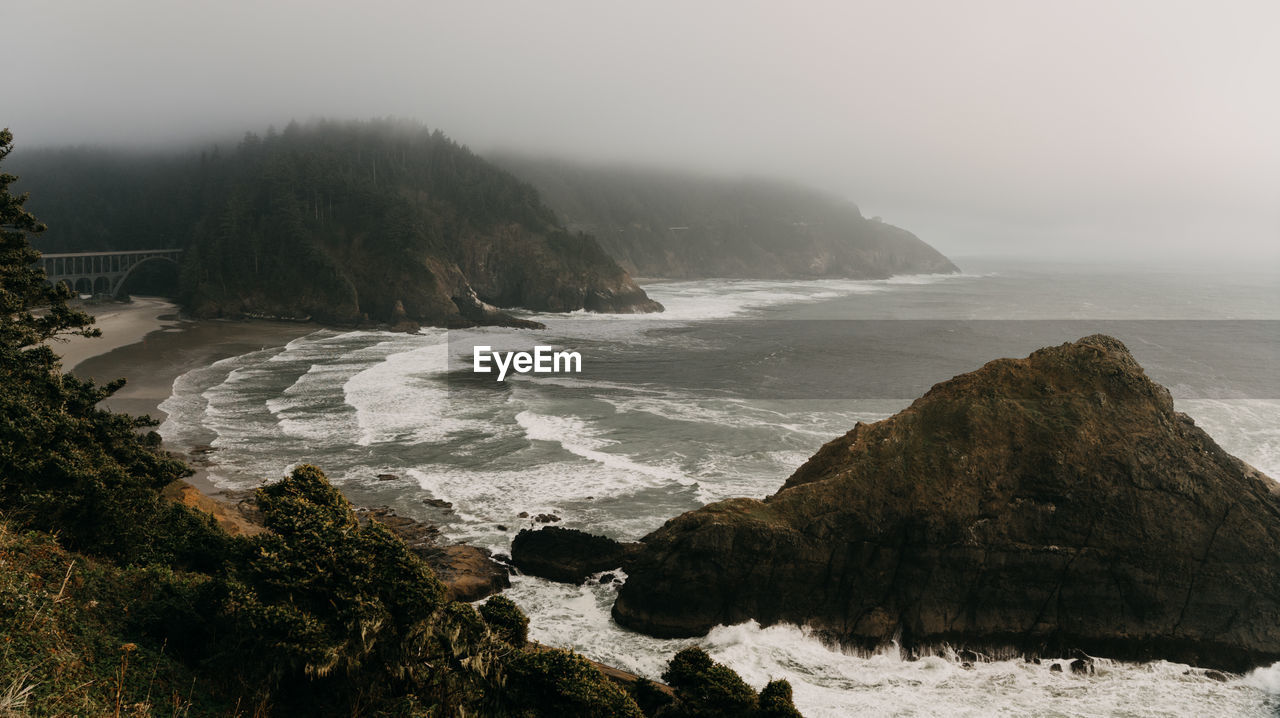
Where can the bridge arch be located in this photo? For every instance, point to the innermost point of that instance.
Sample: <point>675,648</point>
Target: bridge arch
<point>115,290</point>
<point>103,272</point>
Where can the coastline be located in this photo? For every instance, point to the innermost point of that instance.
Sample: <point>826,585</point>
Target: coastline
<point>149,344</point>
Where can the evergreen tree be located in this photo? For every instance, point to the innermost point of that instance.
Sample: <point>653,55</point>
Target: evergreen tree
<point>66,465</point>
<point>24,290</point>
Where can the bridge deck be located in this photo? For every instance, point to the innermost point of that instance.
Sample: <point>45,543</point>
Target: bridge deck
<point>60,255</point>
<point>100,272</point>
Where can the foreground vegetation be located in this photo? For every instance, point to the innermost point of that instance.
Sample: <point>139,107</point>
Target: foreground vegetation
<point>115,601</point>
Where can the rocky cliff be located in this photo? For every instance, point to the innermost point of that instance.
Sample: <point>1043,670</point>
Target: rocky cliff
<point>670,224</point>
<point>1034,506</point>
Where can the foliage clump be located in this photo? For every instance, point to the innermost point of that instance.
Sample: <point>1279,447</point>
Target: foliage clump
<point>706,689</point>
<point>70,644</point>
<point>555,682</point>
<point>506,619</point>
<point>776,701</point>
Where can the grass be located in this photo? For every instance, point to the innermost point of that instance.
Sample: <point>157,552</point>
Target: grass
<point>65,619</point>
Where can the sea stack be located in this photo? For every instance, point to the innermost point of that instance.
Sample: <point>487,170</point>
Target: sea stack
<point>1035,506</point>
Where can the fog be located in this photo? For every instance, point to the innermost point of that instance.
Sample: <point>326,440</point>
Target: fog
<point>1083,129</point>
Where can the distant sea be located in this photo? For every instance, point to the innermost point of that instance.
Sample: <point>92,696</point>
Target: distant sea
<point>723,395</point>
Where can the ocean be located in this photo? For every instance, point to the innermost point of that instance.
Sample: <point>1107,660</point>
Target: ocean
<point>723,395</point>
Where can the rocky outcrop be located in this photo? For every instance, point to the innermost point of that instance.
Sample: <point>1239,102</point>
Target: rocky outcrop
<point>238,518</point>
<point>468,573</point>
<point>474,310</point>
<point>1033,506</point>
<point>504,266</point>
<point>567,555</point>
<point>558,272</point>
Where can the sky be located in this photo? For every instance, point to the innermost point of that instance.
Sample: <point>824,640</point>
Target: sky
<point>1083,129</point>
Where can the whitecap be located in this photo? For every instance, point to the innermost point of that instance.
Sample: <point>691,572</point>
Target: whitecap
<point>573,435</point>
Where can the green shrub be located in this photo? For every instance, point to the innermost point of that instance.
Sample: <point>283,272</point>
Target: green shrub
<point>775,700</point>
<point>706,688</point>
<point>506,620</point>
<point>68,644</point>
<point>552,682</point>
<point>323,604</point>
<point>649,696</point>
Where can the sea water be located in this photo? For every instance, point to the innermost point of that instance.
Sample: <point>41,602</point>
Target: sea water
<point>724,395</point>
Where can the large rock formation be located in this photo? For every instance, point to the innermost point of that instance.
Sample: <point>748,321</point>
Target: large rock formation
<point>1036,506</point>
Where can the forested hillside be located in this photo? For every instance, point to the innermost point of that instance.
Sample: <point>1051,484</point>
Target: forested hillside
<point>668,224</point>
<point>336,221</point>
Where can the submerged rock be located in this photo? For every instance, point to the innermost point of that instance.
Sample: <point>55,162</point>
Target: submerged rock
<point>1218,676</point>
<point>1038,505</point>
<point>1082,666</point>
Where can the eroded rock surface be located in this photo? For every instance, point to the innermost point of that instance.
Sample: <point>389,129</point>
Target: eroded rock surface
<point>1035,505</point>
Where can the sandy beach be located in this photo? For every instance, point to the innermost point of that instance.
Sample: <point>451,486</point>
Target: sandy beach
<point>150,345</point>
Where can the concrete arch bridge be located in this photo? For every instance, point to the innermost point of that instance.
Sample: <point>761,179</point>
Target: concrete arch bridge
<point>101,272</point>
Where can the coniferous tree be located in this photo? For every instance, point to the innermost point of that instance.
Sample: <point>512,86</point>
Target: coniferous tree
<point>24,291</point>
<point>66,465</point>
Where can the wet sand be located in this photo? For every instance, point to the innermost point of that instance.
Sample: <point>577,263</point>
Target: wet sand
<point>121,324</point>
<point>148,344</point>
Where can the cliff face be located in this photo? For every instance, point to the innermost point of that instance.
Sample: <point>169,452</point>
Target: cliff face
<point>1038,505</point>
<point>665,224</point>
<point>347,221</point>
<point>557,273</point>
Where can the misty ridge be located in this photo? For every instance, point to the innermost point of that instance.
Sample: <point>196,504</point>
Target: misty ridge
<point>390,221</point>
<point>665,223</point>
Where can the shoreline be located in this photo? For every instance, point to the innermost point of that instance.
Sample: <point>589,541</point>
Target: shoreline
<point>149,344</point>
